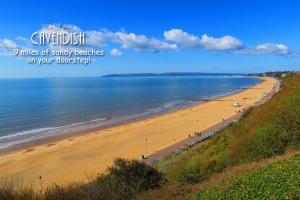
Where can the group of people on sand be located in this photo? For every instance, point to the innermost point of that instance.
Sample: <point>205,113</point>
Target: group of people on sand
<point>196,133</point>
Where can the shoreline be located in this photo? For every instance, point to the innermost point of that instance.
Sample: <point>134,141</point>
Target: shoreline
<point>90,152</point>
<point>53,138</point>
<point>206,133</point>
<point>58,137</point>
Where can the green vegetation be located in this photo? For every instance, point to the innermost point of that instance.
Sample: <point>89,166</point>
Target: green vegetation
<point>279,74</point>
<point>277,181</point>
<point>261,134</point>
<point>121,181</point>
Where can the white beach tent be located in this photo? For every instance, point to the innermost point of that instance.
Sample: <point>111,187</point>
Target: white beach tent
<point>236,104</point>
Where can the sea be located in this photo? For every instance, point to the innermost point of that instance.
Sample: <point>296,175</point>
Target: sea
<point>33,109</point>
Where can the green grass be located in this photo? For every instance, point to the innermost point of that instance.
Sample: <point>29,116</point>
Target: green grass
<point>276,181</point>
<point>263,132</point>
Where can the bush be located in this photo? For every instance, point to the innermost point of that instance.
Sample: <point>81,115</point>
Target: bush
<point>192,171</point>
<point>126,178</point>
<point>266,142</point>
<point>122,181</point>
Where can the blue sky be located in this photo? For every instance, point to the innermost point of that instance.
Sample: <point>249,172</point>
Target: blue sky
<point>160,36</point>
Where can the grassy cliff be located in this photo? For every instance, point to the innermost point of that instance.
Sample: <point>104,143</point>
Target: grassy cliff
<point>263,132</point>
<point>280,180</point>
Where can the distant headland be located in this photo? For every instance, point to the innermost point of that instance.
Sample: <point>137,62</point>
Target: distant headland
<point>172,74</point>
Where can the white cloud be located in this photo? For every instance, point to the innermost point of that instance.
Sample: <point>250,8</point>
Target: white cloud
<point>267,48</point>
<point>6,43</point>
<point>187,40</point>
<point>115,52</point>
<point>98,38</point>
<point>22,39</point>
<point>173,39</point>
<point>51,28</point>
<point>142,43</point>
<point>7,46</point>
<point>220,44</point>
<point>101,38</point>
<point>279,49</point>
<point>181,37</point>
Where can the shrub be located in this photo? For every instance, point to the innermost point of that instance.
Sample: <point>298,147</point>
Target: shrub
<point>266,142</point>
<point>122,181</point>
<point>127,178</point>
<point>191,172</point>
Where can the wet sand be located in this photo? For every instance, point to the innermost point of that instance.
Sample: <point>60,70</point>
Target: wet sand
<point>79,157</point>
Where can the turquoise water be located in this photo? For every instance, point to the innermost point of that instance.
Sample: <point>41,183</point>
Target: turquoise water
<point>36,108</point>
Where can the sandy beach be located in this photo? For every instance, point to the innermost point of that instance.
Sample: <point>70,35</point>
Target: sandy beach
<point>78,157</point>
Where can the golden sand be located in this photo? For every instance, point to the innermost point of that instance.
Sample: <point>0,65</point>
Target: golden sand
<point>78,157</point>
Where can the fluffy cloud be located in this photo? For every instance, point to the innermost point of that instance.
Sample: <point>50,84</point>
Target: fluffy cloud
<point>115,52</point>
<point>181,37</point>
<point>173,39</point>
<point>220,44</point>
<point>187,40</point>
<point>8,44</point>
<point>142,43</point>
<point>102,38</point>
<point>99,38</point>
<point>21,38</point>
<point>279,49</point>
<point>267,48</point>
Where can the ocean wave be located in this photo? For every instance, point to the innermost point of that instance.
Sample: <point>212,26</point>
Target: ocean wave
<point>10,140</point>
<point>34,134</point>
<point>174,103</point>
